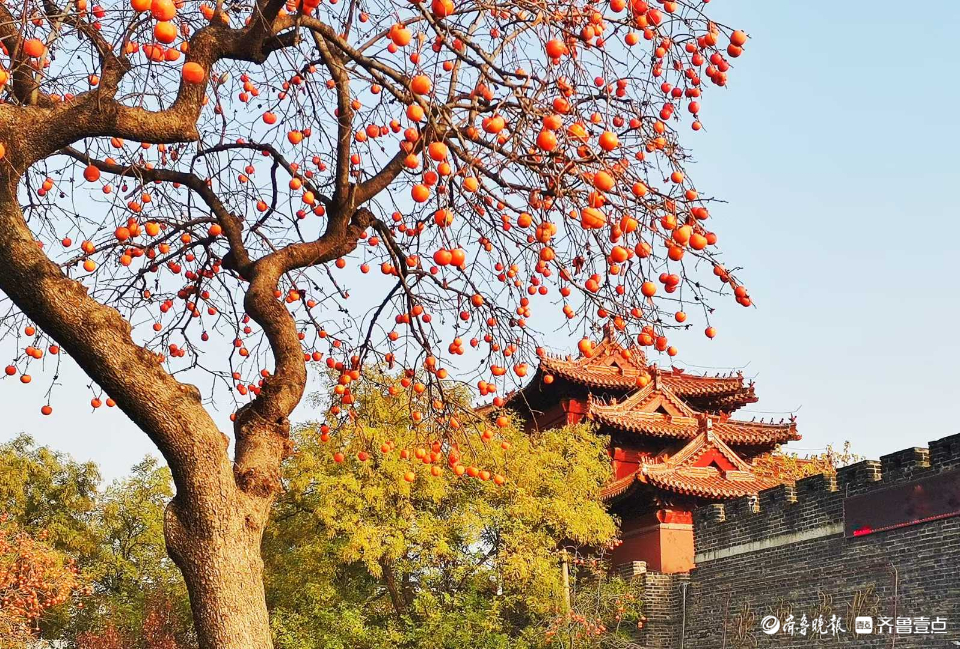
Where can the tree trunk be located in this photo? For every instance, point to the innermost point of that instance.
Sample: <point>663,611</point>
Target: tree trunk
<point>213,527</point>
<point>224,577</point>
<point>396,597</point>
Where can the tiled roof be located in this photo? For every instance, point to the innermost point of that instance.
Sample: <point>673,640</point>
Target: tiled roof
<point>610,365</point>
<point>643,412</point>
<point>679,473</point>
<point>617,487</point>
<point>728,387</point>
<point>709,482</point>
<point>731,431</point>
<point>654,396</point>
<point>613,366</point>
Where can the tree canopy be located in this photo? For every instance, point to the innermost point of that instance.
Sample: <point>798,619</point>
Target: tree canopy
<point>98,550</point>
<point>372,551</point>
<point>44,491</point>
<point>360,554</point>
<point>225,192</point>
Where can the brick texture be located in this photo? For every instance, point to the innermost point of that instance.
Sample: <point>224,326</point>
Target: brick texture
<point>784,553</point>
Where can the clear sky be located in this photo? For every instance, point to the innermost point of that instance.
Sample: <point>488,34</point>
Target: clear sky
<point>835,147</point>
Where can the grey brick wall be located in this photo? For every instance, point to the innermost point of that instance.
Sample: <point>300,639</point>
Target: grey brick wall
<point>663,607</point>
<point>784,553</point>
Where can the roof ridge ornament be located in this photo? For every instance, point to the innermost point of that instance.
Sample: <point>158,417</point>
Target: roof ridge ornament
<point>706,425</point>
<point>608,332</point>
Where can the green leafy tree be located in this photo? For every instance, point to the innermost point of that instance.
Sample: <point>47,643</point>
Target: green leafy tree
<point>383,538</point>
<point>134,564</point>
<point>114,537</point>
<point>43,490</point>
<point>46,494</point>
<point>138,588</point>
<point>405,542</point>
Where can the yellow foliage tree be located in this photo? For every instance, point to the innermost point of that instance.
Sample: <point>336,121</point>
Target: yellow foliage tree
<point>404,540</point>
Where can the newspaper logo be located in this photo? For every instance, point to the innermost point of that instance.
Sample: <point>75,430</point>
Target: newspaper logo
<point>820,626</point>
<point>863,625</point>
<point>770,624</point>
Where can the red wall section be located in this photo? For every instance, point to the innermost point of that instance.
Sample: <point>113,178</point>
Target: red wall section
<point>666,547</point>
<point>627,461</point>
<point>576,410</point>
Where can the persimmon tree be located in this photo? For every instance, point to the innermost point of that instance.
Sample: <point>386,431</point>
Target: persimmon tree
<point>227,192</point>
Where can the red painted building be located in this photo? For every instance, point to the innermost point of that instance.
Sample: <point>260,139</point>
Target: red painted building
<point>673,442</point>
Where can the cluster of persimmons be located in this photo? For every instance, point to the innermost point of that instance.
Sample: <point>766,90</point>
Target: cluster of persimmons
<point>34,578</point>
<point>501,156</point>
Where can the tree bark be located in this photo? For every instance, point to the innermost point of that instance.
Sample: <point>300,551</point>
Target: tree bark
<point>224,576</point>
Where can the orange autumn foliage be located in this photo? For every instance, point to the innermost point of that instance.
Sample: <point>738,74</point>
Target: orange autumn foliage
<point>34,578</point>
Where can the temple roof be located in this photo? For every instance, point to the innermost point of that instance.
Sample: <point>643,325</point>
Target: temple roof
<point>706,468</point>
<point>658,411</point>
<point>612,366</point>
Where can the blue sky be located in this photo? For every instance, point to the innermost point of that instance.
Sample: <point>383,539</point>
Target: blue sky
<point>835,149</point>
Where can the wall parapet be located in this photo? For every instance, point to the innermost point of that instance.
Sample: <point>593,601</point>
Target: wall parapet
<point>815,502</point>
